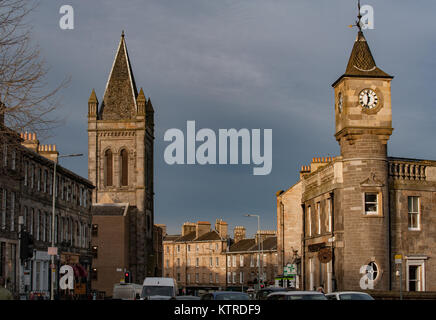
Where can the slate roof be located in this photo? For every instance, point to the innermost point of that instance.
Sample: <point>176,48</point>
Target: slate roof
<point>171,237</point>
<point>119,100</point>
<point>270,243</point>
<point>212,235</point>
<point>242,245</point>
<point>110,209</point>
<point>187,237</point>
<point>361,62</point>
<point>245,245</point>
<point>209,236</point>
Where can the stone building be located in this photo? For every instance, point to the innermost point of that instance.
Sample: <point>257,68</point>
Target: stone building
<point>361,208</point>
<point>195,257</point>
<point>120,161</point>
<point>26,192</point>
<point>289,226</point>
<point>245,255</point>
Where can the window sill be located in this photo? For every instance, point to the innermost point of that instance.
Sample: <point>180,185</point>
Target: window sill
<point>372,215</point>
<point>414,229</point>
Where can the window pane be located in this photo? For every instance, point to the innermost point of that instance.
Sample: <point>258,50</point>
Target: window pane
<point>370,203</point>
<point>370,197</point>
<point>109,167</point>
<point>124,167</point>
<point>415,204</point>
<point>370,207</point>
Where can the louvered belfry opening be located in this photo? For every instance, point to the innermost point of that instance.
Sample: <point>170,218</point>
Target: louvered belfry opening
<point>124,168</point>
<point>108,159</point>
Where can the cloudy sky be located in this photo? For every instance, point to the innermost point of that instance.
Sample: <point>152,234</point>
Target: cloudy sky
<point>239,64</point>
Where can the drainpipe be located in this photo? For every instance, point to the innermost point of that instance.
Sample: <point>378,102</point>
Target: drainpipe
<point>303,248</point>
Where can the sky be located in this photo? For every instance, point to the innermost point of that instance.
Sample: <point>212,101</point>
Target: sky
<point>251,64</point>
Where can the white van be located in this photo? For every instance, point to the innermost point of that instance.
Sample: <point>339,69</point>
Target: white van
<point>127,291</point>
<point>155,288</point>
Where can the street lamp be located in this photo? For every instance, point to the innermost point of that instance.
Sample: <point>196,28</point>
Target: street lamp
<point>258,243</point>
<point>53,220</point>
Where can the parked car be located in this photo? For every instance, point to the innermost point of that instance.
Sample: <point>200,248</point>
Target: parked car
<point>262,294</point>
<point>297,295</point>
<point>155,288</point>
<point>187,298</point>
<point>349,295</point>
<point>127,291</point>
<point>225,295</point>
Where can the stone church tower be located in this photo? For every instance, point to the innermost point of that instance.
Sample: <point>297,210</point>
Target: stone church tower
<point>363,118</point>
<point>120,160</point>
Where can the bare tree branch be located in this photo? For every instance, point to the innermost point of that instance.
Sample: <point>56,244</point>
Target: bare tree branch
<point>26,101</point>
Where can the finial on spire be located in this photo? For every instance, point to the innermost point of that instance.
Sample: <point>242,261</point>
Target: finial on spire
<point>122,34</point>
<point>359,18</point>
<point>93,97</point>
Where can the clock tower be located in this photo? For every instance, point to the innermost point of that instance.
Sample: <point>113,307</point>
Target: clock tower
<point>363,123</point>
<point>362,97</point>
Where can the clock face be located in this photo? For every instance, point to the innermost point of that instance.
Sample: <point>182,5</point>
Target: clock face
<point>368,99</point>
<point>340,102</point>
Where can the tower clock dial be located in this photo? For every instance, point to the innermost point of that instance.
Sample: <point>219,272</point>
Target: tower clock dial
<point>340,102</point>
<point>368,99</point>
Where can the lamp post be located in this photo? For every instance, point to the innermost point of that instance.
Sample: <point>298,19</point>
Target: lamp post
<point>259,249</point>
<point>53,220</point>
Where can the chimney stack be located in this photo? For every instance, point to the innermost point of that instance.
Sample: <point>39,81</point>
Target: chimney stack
<point>202,227</point>
<point>239,233</point>
<point>221,228</point>
<point>187,228</point>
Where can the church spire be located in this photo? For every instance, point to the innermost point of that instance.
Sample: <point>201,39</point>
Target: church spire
<point>119,100</point>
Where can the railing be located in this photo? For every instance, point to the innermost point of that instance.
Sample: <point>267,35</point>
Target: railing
<point>407,171</point>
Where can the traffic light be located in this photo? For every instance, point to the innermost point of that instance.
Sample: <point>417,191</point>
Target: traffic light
<point>127,277</point>
<point>26,245</point>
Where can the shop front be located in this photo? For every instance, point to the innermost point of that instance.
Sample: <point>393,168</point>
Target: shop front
<point>80,265</point>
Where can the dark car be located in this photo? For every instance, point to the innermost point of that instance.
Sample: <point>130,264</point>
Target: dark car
<point>225,295</point>
<point>187,298</point>
<point>263,293</point>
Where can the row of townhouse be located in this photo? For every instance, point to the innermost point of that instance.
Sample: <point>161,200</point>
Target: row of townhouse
<point>204,259</point>
<point>26,195</point>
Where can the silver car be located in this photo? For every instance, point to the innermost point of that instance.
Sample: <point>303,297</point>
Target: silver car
<point>296,295</point>
<point>349,295</point>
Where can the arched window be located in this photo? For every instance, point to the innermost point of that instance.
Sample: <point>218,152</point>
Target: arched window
<point>108,168</point>
<point>124,167</point>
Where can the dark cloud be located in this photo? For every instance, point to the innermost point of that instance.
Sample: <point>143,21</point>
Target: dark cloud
<point>242,64</point>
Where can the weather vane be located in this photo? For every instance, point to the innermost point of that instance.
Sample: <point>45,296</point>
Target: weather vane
<point>359,18</point>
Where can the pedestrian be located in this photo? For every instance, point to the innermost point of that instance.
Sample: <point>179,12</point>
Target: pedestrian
<point>5,294</point>
<point>320,289</point>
